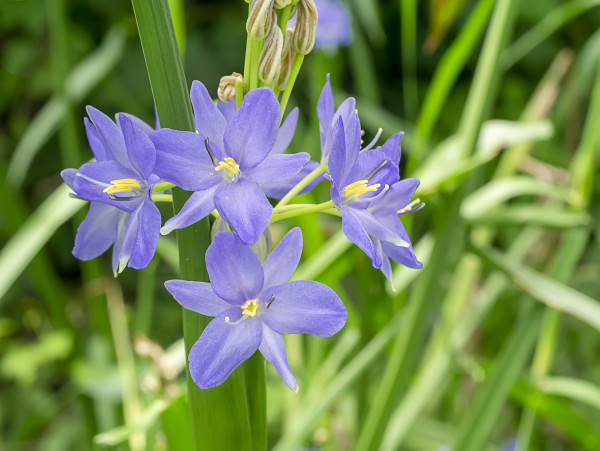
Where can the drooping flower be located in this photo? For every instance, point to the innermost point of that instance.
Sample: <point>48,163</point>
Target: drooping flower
<point>226,161</point>
<point>367,190</point>
<point>254,305</point>
<point>119,185</point>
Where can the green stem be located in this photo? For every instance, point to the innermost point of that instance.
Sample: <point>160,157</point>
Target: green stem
<point>239,92</point>
<point>324,207</point>
<point>254,55</point>
<point>219,416</point>
<point>290,84</point>
<point>301,185</point>
<point>163,186</point>
<point>162,197</point>
<point>284,17</point>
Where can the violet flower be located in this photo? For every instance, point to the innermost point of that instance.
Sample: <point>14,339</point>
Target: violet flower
<point>366,188</point>
<point>333,26</point>
<point>226,161</point>
<point>119,185</point>
<point>254,305</point>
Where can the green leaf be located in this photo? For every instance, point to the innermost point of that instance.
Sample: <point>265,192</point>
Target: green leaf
<point>575,389</point>
<point>532,215</point>
<point>498,191</point>
<point>34,234</point>
<point>545,289</point>
<point>83,78</point>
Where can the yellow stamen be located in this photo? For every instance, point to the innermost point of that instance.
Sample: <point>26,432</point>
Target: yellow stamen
<point>409,206</point>
<point>250,307</point>
<point>229,165</point>
<point>359,188</point>
<point>122,185</point>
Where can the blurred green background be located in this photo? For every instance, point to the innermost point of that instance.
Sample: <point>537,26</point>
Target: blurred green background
<point>495,342</point>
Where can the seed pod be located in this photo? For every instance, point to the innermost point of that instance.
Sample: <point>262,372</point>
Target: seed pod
<point>303,40</point>
<point>269,61</point>
<point>226,91</point>
<point>287,60</point>
<point>280,4</point>
<point>259,19</point>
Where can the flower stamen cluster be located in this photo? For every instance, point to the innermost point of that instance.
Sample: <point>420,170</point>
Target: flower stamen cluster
<point>357,189</point>
<point>122,186</point>
<point>230,166</point>
<point>250,307</point>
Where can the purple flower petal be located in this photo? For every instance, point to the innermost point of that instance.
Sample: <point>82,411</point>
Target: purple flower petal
<point>140,149</point>
<point>304,306</point>
<point>110,136</point>
<point>375,228</point>
<point>286,133</point>
<point>337,156</point>
<point>147,233</point>
<point>222,347</point>
<point>182,159</point>
<point>355,232</point>
<point>396,198</point>
<point>235,271</point>
<point>94,140</point>
<point>401,254</point>
<point>251,134</point>
<point>198,297</point>
<point>97,232</point>
<point>392,148</point>
<point>69,176</point>
<point>137,122</point>
<point>279,189</point>
<point>283,261</point>
<point>227,109</point>
<point>245,208</point>
<point>198,206</point>
<point>209,121</point>
<point>325,111</point>
<point>275,168</point>
<point>125,241</point>
<point>104,172</point>
<point>272,347</point>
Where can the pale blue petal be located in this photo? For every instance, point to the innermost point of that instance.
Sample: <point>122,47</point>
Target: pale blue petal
<point>272,347</point>
<point>304,306</point>
<point>222,347</point>
<point>283,261</point>
<point>198,297</point>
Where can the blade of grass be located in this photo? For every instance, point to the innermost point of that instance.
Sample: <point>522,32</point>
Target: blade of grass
<point>408,40</point>
<point>219,416</point>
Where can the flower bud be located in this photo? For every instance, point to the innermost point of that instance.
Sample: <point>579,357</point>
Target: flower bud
<point>226,91</point>
<point>280,4</point>
<point>287,59</point>
<point>264,245</point>
<point>306,27</point>
<point>259,19</point>
<point>218,226</point>
<point>269,62</point>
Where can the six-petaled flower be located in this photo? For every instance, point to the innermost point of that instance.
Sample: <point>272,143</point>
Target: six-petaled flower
<point>254,305</point>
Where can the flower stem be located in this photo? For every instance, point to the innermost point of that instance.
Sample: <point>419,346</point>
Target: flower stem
<point>325,207</point>
<point>163,186</point>
<point>291,81</point>
<point>248,56</point>
<point>301,185</point>
<point>284,17</point>
<point>162,197</point>
<point>254,55</point>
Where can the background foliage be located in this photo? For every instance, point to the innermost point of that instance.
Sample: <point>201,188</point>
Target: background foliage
<point>470,352</point>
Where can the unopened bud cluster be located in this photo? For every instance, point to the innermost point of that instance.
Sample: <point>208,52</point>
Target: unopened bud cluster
<point>226,91</point>
<point>303,39</point>
<point>259,19</point>
<point>287,59</point>
<point>269,62</point>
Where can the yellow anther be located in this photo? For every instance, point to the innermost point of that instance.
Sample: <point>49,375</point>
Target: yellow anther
<point>409,206</point>
<point>359,188</point>
<point>250,307</point>
<point>122,185</point>
<point>229,165</point>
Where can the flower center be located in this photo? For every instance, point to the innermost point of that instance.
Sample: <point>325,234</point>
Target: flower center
<point>132,186</point>
<point>357,189</point>
<point>122,186</point>
<point>250,307</point>
<point>231,168</point>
